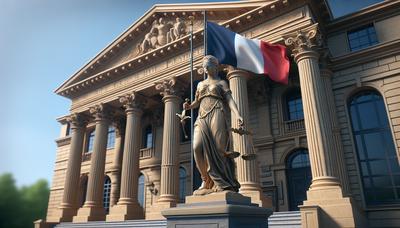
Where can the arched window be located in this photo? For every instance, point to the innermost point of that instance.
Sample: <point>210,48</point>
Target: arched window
<point>298,174</point>
<point>90,141</point>
<point>182,184</point>
<point>106,194</point>
<point>141,190</point>
<point>111,137</point>
<point>293,105</point>
<point>148,137</point>
<point>380,171</point>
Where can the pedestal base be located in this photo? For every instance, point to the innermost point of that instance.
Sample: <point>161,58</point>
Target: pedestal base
<point>257,197</point>
<point>125,212</point>
<point>86,214</point>
<point>225,209</point>
<point>155,211</point>
<point>327,207</point>
<point>64,215</point>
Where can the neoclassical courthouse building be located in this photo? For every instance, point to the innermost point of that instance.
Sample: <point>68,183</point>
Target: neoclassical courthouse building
<point>327,144</point>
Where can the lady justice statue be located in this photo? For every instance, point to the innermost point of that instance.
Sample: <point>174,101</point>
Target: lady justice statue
<point>210,140</point>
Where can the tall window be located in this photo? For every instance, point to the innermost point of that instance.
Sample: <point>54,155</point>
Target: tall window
<point>294,105</point>
<point>148,137</point>
<point>182,184</point>
<point>84,183</point>
<point>68,131</point>
<point>106,194</point>
<point>362,38</point>
<point>141,190</point>
<point>111,137</point>
<point>90,142</point>
<point>380,171</point>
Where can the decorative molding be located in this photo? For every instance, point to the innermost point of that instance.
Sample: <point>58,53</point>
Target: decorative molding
<point>132,101</point>
<point>169,87</point>
<point>307,39</point>
<point>77,120</point>
<point>100,112</point>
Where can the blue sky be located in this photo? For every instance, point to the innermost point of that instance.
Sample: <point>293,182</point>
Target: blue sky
<point>42,43</point>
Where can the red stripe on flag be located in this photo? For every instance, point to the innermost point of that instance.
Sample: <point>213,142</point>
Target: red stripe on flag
<point>276,63</point>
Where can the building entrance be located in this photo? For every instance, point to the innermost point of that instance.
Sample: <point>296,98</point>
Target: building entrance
<point>298,177</point>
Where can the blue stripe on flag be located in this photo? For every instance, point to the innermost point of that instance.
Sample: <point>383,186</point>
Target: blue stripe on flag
<point>221,44</point>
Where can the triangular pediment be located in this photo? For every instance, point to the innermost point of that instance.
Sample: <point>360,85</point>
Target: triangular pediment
<point>162,24</point>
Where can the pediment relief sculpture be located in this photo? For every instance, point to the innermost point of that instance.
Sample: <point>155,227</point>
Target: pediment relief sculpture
<point>161,33</point>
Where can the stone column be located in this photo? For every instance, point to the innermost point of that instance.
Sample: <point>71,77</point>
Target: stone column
<point>115,174</point>
<point>128,207</point>
<point>68,207</point>
<point>170,146</point>
<point>337,148</point>
<point>93,209</point>
<point>325,191</point>
<point>247,170</point>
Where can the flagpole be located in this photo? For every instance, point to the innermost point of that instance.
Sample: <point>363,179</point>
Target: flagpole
<point>205,37</point>
<point>191,18</point>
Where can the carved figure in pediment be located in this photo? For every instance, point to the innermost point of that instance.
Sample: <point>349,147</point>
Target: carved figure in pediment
<point>178,31</point>
<point>150,39</point>
<point>163,28</point>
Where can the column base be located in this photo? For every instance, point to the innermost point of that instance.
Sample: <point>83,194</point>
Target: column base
<point>64,215</point>
<point>257,197</point>
<point>154,212</point>
<point>43,224</point>
<point>86,214</point>
<point>327,207</point>
<point>125,212</point>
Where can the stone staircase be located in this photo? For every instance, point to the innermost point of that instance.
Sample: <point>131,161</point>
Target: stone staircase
<point>287,219</point>
<point>130,224</point>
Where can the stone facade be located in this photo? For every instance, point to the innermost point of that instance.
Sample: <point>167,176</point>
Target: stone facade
<point>121,87</point>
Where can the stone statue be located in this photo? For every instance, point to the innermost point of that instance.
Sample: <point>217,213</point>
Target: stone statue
<point>178,31</point>
<point>210,140</point>
<point>161,33</point>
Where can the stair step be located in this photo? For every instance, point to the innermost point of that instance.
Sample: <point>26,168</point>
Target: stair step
<point>285,219</point>
<point>102,224</point>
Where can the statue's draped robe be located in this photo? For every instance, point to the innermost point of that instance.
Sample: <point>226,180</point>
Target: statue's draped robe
<point>212,125</point>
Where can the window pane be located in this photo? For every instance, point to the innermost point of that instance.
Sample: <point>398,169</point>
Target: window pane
<point>141,190</point>
<point>373,145</point>
<point>375,149</point>
<point>106,194</point>
<point>362,37</point>
<point>89,147</point>
<point>111,138</point>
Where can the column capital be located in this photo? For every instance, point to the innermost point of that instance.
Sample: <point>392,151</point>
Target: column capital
<point>169,87</point>
<point>77,120</point>
<point>233,72</point>
<point>100,112</point>
<point>133,102</point>
<point>304,42</point>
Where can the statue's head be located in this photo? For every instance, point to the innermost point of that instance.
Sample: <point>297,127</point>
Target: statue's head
<point>210,65</point>
<point>161,20</point>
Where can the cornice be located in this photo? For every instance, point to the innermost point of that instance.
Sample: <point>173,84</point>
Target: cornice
<point>366,15</point>
<point>266,11</point>
<point>381,50</point>
<point>63,141</point>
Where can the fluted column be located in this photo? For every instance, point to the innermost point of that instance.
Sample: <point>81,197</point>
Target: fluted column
<point>337,149</point>
<point>128,206</point>
<point>315,106</point>
<point>170,146</point>
<point>68,207</point>
<point>93,209</point>
<point>325,192</point>
<point>247,170</point>
<point>115,173</point>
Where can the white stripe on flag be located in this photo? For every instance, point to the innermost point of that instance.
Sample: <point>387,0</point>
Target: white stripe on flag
<point>248,54</point>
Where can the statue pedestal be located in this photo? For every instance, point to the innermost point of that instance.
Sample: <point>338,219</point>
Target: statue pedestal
<point>223,209</point>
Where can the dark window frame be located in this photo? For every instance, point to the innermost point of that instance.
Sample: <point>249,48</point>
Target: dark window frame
<point>107,194</point>
<point>377,168</point>
<point>297,113</point>
<point>362,37</point>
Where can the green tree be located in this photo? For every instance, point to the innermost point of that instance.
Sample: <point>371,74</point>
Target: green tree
<point>20,207</point>
<point>35,199</point>
<point>9,202</point>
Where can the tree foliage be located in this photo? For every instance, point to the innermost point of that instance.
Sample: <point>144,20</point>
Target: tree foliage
<point>20,207</point>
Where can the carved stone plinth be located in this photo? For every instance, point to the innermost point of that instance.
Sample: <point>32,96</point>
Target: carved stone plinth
<point>223,209</point>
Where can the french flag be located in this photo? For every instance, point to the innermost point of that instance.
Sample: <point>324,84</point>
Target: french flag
<point>253,55</point>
